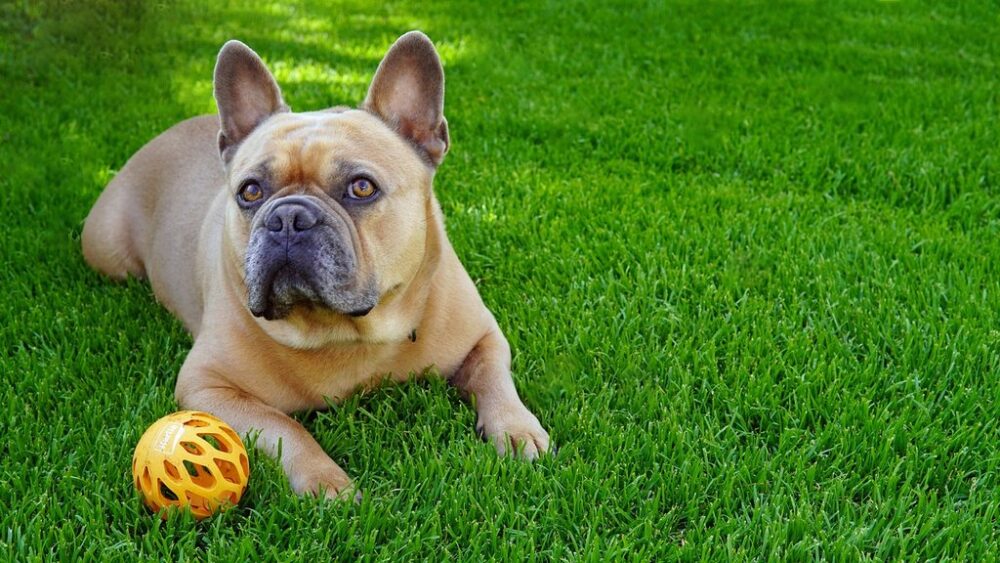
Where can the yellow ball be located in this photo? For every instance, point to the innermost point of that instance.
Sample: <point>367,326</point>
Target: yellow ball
<point>190,459</point>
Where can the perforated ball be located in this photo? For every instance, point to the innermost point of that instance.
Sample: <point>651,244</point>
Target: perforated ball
<point>190,459</point>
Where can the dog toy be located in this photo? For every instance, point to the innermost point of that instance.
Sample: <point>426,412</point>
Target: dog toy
<point>190,459</point>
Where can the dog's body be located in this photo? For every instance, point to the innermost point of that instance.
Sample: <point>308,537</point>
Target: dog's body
<point>311,260</point>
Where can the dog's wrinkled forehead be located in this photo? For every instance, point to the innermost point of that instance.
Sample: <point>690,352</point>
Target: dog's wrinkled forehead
<point>307,148</point>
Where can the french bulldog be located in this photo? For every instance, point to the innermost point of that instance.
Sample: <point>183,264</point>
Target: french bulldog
<point>306,253</point>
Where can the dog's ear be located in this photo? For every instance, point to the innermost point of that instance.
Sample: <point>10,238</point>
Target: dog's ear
<point>246,94</point>
<point>408,94</point>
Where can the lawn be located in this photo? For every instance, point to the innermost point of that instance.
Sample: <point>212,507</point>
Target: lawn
<point>746,256</point>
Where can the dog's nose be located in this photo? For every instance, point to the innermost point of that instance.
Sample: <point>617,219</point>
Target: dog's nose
<point>291,217</point>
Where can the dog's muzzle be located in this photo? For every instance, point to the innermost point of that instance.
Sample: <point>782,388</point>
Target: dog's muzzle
<point>301,253</point>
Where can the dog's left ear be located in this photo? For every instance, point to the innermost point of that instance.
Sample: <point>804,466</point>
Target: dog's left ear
<point>408,94</point>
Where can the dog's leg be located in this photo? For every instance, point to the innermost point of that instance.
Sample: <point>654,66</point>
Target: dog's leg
<point>484,377</point>
<point>309,469</point>
<point>112,237</point>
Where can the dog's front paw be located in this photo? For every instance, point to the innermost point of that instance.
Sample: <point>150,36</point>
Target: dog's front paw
<point>324,479</point>
<point>514,431</point>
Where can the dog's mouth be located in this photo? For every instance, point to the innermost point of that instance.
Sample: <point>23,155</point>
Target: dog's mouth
<point>285,287</point>
<point>274,296</point>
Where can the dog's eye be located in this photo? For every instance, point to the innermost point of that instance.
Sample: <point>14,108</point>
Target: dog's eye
<point>361,188</point>
<point>251,192</point>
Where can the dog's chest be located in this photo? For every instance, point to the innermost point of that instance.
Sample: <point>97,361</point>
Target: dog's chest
<point>335,374</point>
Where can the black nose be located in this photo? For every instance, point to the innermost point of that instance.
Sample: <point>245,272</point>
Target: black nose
<point>293,217</point>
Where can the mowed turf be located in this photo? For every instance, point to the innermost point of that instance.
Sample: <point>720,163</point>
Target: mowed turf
<point>746,257</point>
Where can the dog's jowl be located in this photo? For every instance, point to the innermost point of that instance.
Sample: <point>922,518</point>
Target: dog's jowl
<point>305,252</point>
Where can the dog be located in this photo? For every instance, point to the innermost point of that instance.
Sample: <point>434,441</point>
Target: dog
<point>306,253</point>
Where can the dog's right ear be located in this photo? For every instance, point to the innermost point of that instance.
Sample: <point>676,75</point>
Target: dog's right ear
<point>246,94</point>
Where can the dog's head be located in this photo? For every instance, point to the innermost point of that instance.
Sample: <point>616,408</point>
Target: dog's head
<point>328,211</point>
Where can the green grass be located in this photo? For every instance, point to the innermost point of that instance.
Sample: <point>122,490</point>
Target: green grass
<point>747,257</point>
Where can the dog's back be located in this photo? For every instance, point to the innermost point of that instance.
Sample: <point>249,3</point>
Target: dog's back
<point>133,228</point>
